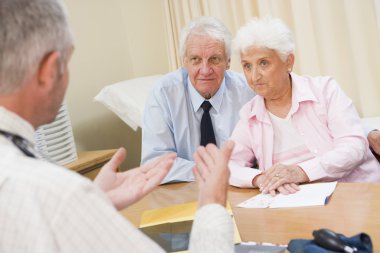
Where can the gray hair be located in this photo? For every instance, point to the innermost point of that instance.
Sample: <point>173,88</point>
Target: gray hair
<point>29,30</point>
<point>209,26</point>
<point>269,33</point>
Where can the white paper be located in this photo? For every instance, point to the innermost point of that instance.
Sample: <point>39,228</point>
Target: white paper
<point>309,195</point>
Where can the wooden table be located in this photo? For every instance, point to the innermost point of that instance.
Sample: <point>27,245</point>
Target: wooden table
<point>353,208</point>
<point>90,162</point>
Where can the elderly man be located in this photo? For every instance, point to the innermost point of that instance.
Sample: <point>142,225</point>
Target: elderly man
<point>46,208</point>
<point>197,104</point>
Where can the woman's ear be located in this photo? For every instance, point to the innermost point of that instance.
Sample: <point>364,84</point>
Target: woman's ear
<point>48,69</point>
<point>290,62</point>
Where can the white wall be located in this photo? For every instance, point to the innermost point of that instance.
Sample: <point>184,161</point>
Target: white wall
<point>114,40</point>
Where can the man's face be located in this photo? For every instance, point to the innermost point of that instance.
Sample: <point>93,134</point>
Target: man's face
<point>206,62</point>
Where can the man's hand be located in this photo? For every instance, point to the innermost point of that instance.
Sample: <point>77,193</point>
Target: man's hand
<point>374,141</point>
<point>212,173</point>
<point>128,187</point>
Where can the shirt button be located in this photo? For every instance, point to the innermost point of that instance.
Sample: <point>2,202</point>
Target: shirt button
<point>302,133</point>
<point>315,151</point>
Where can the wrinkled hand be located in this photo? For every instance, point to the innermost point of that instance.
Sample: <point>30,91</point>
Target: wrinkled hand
<point>128,187</point>
<point>212,173</point>
<point>281,178</point>
<point>374,141</point>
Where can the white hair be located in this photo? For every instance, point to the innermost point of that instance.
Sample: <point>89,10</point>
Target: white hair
<point>269,33</point>
<point>29,30</point>
<point>209,26</point>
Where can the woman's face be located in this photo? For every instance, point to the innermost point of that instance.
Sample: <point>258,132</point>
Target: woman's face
<point>265,72</point>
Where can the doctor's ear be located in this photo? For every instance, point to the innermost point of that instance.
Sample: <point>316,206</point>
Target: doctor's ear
<point>48,70</point>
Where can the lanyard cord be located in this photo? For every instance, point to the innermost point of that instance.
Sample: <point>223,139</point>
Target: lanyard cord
<point>19,142</point>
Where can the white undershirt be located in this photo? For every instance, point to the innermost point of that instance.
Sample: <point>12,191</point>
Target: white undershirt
<point>288,147</point>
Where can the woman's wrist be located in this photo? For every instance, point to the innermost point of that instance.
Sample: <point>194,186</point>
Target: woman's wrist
<point>255,181</point>
<point>302,177</point>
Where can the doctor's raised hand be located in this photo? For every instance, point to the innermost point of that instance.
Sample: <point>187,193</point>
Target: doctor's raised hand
<point>212,173</point>
<point>128,187</point>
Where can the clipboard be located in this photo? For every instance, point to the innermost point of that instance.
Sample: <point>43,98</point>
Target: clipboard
<point>170,227</point>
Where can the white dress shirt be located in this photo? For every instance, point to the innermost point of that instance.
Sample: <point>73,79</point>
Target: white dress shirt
<point>47,208</point>
<point>172,117</point>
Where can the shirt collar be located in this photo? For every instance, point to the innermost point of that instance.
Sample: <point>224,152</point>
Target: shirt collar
<point>197,99</point>
<point>13,123</point>
<point>301,92</point>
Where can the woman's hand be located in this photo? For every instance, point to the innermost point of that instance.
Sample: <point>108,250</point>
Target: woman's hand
<point>281,178</point>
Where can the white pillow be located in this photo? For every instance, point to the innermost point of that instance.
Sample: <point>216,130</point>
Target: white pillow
<point>371,123</point>
<point>127,98</point>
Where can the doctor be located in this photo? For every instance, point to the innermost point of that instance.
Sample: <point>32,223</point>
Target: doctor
<point>46,208</point>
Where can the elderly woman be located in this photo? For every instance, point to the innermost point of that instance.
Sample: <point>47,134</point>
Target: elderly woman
<point>297,129</point>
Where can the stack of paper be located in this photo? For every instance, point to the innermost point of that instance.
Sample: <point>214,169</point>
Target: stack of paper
<point>309,195</point>
<point>252,247</point>
<point>55,141</point>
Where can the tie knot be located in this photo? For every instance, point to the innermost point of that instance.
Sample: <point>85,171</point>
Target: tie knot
<point>206,105</point>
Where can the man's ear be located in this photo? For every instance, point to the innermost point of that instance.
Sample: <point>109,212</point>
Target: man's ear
<point>48,69</point>
<point>228,64</point>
